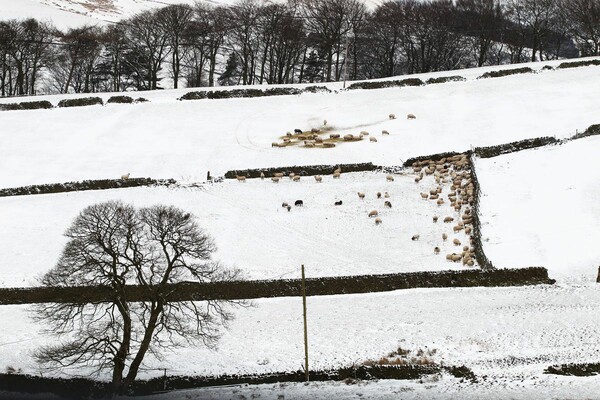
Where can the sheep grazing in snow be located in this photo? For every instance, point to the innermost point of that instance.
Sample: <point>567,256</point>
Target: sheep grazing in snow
<point>292,175</point>
<point>418,179</point>
<point>411,116</point>
<point>373,213</point>
<point>240,178</point>
<point>348,137</point>
<point>324,122</point>
<point>468,230</point>
<point>288,134</point>
<point>361,195</point>
<point>436,250</point>
<point>125,177</point>
<point>318,178</point>
<point>392,116</point>
<point>444,237</point>
<point>275,179</point>
<point>278,174</point>
<point>384,132</point>
<point>309,144</point>
<point>289,208</point>
<point>440,202</point>
<point>338,203</point>
<point>457,228</point>
<point>299,203</point>
<point>328,145</point>
<point>415,237</point>
<point>435,218</point>
<point>424,196</point>
<point>465,248</point>
<point>364,133</point>
<point>456,242</point>
<point>318,140</point>
<point>386,195</point>
<point>315,130</point>
<point>389,178</point>
<point>298,131</point>
<point>378,195</point>
<point>296,178</point>
<point>284,204</point>
<point>262,175</point>
<point>377,221</point>
<point>448,220</point>
<point>373,139</point>
<point>334,135</point>
<point>336,175</point>
<point>388,204</point>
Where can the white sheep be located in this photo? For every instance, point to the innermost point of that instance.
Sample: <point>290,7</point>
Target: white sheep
<point>444,237</point>
<point>318,178</point>
<point>448,219</point>
<point>373,139</point>
<point>373,213</point>
<point>386,195</point>
<point>392,116</point>
<point>278,174</point>
<point>336,175</point>
<point>334,136</point>
<point>324,122</point>
<point>240,178</point>
<point>364,133</point>
<point>361,195</point>
<point>275,179</point>
<point>384,132</point>
<point>456,242</point>
<point>389,178</point>
<point>296,178</point>
<point>338,170</point>
<point>377,221</point>
<point>262,175</point>
<point>125,177</point>
<point>411,116</point>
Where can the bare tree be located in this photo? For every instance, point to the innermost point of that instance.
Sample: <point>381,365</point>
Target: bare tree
<point>175,21</point>
<point>584,17</point>
<point>113,244</point>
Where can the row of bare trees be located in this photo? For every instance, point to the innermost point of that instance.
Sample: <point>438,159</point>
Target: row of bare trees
<point>294,41</point>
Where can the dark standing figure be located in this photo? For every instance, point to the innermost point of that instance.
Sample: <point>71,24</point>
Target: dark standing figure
<point>598,277</point>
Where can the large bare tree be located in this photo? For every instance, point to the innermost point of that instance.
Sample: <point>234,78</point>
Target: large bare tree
<point>113,244</point>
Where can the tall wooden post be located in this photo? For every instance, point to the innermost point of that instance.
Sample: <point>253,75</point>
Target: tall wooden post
<point>305,328</point>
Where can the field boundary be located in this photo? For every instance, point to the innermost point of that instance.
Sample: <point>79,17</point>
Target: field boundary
<point>254,289</point>
<point>98,184</point>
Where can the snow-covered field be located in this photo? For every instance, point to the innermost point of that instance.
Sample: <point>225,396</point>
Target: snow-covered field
<point>183,140</point>
<point>541,207</point>
<point>538,207</point>
<point>253,231</point>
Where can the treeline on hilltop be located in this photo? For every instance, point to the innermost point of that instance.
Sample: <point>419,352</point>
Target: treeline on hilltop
<point>296,41</point>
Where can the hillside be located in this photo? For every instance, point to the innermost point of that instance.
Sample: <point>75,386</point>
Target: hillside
<point>538,207</point>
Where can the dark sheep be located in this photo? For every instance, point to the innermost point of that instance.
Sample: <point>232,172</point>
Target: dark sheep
<point>299,203</point>
<point>388,204</point>
<point>298,131</point>
<point>338,203</point>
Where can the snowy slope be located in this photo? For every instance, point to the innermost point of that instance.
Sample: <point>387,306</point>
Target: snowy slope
<point>183,140</point>
<point>253,231</point>
<point>541,207</point>
<point>509,334</point>
<point>538,208</point>
<point>73,13</point>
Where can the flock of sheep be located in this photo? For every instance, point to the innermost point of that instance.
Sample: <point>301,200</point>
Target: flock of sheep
<point>454,170</point>
<point>314,138</point>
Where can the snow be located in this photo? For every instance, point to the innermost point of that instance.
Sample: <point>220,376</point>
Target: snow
<point>538,207</point>
<point>253,231</point>
<point>183,140</point>
<point>507,334</point>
